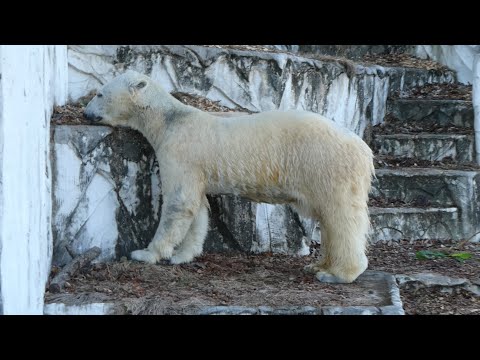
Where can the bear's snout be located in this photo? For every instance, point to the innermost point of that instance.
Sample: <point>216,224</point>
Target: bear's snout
<point>91,116</point>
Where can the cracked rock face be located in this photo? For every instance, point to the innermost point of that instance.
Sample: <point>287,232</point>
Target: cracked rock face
<point>107,193</point>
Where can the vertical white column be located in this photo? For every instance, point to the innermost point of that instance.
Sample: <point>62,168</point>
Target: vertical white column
<point>33,80</point>
<point>476,103</point>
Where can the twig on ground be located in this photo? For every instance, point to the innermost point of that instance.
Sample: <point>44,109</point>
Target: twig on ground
<point>58,282</point>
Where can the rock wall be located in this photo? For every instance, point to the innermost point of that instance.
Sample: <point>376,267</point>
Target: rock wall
<point>107,191</point>
<point>258,81</point>
<point>32,80</point>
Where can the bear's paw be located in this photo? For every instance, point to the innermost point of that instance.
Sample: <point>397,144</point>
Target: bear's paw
<point>145,256</point>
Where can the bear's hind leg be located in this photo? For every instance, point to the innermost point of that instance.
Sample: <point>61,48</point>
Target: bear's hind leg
<point>192,245</point>
<point>344,242</point>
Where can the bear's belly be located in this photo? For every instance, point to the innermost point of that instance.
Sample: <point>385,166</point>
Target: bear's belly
<point>272,195</point>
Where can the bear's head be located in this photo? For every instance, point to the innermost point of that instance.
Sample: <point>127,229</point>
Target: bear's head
<point>117,102</point>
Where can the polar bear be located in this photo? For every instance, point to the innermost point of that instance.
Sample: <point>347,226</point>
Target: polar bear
<point>283,157</point>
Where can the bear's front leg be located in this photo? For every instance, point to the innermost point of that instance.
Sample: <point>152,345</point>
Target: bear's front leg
<point>178,212</point>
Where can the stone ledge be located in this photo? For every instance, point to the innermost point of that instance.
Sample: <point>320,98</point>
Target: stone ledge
<point>433,147</point>
<point>436,188</point>
<point>391,305</point>
<point>427,280</point>
<point>430,113</point>
<point>393,224</point>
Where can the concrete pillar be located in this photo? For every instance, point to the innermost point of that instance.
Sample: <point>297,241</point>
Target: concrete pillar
<point>33,79</point>
<point>476,103</point>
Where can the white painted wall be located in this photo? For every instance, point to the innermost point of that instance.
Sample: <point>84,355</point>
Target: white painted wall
<point>33,79</point>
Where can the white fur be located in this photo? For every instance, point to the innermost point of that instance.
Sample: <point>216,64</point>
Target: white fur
<point>294,157</point>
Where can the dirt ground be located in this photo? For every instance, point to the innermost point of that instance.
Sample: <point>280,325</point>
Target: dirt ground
<point>271,280</point>
<point>216,280</point>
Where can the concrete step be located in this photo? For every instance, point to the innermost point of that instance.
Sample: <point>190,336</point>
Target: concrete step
<point>404,78</point>
<point>424,146</point>
<point>434,188</point>
<point>393,224</point>
<point>428,113</point>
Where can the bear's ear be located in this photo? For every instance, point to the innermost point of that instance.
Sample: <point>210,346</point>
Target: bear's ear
<point>137,86</point>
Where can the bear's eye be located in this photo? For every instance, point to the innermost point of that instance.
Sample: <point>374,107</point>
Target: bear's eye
<point>99,95</point>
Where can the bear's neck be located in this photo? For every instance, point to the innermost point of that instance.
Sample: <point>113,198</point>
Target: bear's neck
<point>154,119</point>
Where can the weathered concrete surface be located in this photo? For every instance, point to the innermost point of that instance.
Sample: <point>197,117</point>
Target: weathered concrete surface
<point>405,78</point>
<point>258,81</point>
<point>436,188</point>
<point>430,113</point>
<point>104,192</point>
<point>237,224</point>
<point>446,283</point>
<point>433,147</point>
<point>86,309</point>
<point>430,279</point>
<point>107,193</point>
<point>232,224</point>
<point>384,300</point>
<point>393,224</point>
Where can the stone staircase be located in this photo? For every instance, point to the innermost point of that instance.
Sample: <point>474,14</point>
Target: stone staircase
<point>437,196</point>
